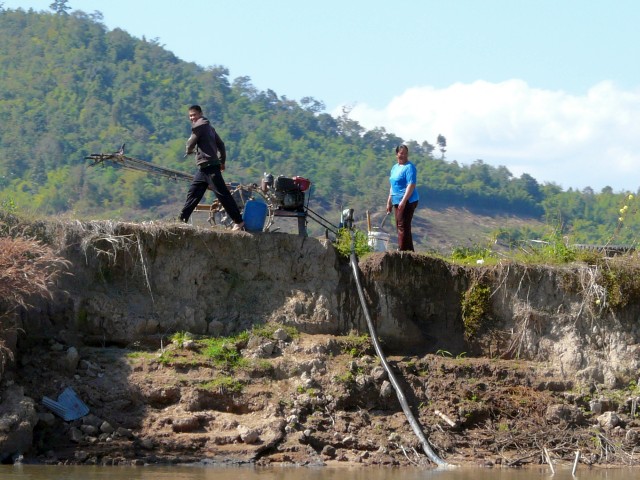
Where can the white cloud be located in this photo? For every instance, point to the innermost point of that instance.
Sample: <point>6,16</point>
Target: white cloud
<point>574,141</point>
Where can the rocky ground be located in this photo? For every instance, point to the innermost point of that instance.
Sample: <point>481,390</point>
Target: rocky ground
<point>277,396</point>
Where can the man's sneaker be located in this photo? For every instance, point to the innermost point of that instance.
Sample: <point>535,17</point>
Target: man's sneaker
<point>237,226</point>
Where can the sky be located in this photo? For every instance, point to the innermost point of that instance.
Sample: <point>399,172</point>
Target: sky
<point>546,87</point>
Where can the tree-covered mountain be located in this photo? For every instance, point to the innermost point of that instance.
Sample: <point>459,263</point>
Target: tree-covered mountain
<point>70,87</point>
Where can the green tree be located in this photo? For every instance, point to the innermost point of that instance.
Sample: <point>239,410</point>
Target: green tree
<point>60,7</point>
<point>442,145</point>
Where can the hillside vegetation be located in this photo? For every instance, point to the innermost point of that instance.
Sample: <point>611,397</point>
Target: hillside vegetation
<point>69,87</point>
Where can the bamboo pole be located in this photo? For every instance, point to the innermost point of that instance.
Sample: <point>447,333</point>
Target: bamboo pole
<point>575,463</point>
<point>546,454</point>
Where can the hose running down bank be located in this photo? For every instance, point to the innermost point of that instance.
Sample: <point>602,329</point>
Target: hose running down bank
<point>403,401</point>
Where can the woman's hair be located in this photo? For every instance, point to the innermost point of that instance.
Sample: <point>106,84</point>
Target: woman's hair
<point>399,147</point>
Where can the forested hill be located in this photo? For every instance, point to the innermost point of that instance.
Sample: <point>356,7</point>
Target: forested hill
<point>69,87</point>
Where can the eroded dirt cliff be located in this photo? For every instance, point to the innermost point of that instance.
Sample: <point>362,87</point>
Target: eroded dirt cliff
<point>497,363</point>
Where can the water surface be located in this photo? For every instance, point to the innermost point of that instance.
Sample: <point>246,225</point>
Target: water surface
<point>32,472</point>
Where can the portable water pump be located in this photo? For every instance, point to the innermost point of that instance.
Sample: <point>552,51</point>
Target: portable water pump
<point>288,192</point>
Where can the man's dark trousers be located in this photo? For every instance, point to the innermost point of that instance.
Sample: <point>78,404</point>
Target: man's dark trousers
<point>210,177</point>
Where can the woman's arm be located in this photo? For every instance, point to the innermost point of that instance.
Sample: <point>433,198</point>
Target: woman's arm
<point>389,204</point>
<point>407,195</point>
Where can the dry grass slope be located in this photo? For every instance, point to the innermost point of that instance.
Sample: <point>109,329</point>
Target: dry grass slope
<point>28,268</point>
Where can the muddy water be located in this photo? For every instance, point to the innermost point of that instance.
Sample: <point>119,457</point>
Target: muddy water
<point>28,472</point>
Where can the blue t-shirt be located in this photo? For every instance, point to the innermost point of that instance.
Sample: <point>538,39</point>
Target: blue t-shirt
<point>400,178</point>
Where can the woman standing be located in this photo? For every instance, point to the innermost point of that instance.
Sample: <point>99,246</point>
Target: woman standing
<point>403,196</point>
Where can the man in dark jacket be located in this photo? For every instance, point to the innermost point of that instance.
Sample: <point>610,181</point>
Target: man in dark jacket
<point>210,159</point>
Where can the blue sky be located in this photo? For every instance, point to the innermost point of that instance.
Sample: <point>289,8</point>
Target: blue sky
<point>550,88</point>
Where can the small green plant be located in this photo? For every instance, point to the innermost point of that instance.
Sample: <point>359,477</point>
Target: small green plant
<point>9,206</point>
<point>472,255</point>
<point>266,330</point>
<point>443,353</point>
<point>503,427</point>
<point>179,338</point>
<point>475,306</point>
<point>140,355</point>
<point>223,384</point>
<point>346,378</point>
<point>223,352</point>
<point>312,392</point>
<point>553,248</point>
<point>356,345</point>
<point>622,284</point>
<point>263,366</point>
<point>590,256</point>
<point>624,214</point>
<point>166,357</point>
<point>360,239</point>
<point>596,440</point>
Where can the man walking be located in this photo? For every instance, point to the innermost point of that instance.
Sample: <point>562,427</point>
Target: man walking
<point>210,159</point>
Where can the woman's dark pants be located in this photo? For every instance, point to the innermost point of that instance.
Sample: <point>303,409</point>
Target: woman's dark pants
<point>403,225</point>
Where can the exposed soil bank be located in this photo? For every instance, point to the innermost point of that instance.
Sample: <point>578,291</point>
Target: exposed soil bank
<point>498,363</point>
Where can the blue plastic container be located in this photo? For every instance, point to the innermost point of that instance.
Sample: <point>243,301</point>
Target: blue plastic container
<point>254,215</point>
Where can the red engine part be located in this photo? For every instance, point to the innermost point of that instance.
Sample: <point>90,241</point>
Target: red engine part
<point>302,183</point>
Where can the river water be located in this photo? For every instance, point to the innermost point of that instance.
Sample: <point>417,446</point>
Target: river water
<point>32,472</point>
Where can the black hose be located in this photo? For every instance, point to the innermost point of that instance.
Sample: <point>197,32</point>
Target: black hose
<point>401,398</point>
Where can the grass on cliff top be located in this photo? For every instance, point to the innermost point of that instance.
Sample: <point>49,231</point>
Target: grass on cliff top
<point>346,238</point>
<point>551,250</point>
